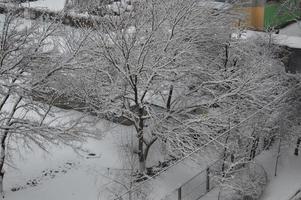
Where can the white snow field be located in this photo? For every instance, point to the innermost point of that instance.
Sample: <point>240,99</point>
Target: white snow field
<point>63,174</point>
<point>289,36</point>
<point>55,5</point>
<point>288,179</point>
<point>285,185</point>
<point>280,39</point>
<point>292,30</point>
<point>58,5</point>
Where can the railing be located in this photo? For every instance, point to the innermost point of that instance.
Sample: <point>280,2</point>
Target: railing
<point>199,185</point>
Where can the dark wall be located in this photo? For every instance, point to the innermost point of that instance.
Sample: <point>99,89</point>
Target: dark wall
<point>294,61</point>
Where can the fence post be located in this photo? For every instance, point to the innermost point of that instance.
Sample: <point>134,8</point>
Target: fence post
<point>207,179</point>
<point>180,193</point>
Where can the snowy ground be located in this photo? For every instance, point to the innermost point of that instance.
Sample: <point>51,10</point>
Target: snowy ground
<point>183,173</point>
<point>58,5</point>
<point>63,174</point>
<point>287,182</point>
<point>280,39</point>
<point>288,179</point>
<point>292,30</point>
<point>55,5</point>
<point>289,36</point>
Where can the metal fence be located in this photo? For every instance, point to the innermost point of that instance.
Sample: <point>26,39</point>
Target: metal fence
<point>199,185</point>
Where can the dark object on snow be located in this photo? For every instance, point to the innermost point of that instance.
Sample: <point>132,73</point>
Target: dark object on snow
<point>248,197</point>
<point>214,105</point>
<point>163,164</point>
<point>140,178</point>
<point>15,189</point>
<point>297,146</point>
<point>150,171</point>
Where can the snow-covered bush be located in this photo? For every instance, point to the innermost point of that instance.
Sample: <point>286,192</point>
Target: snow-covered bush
<point>245,183</point>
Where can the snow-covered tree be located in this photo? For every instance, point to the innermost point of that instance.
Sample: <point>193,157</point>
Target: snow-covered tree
<point>30,59</point>
<point>259,112</point>
<point>144,67</point>
<point>172,69</point>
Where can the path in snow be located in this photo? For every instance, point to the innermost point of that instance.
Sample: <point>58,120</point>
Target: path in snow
<point>288,179</point>
<point>285,184</point>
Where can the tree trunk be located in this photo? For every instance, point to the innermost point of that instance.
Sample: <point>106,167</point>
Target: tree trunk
<point>225,150</point>
<point>168,104</point>
<point>1,184</point>
<point>143,145</point>
<point>2,160</point>
<point>225,156</point>
<point>3,144</point>
<point>219,193</point>
<point>226,56</point>
<point>297,146</point>
<point>142,165</point>
<point>254,148</point>
<point>277,158</point>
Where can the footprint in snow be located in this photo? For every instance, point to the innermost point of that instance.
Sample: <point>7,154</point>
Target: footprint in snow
<point>47,174</point>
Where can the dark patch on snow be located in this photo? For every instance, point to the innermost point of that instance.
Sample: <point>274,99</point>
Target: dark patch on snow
<point>92,155</point>
<point>46,174</point>
<point>141,177</point>
<point>152,171</point>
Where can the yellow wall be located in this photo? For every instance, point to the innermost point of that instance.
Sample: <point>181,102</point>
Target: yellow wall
<point>254,18</point>
<point>257,17</point>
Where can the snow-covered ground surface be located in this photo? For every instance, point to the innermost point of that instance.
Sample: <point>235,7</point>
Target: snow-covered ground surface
<point>289,36</point>
<point>55,5</point>
<point>288,179</point>
<point>58,5</point>
<point>281,187</point>
<point>62,174</point>
<point>292,30</point>
<point>280,39</point>
<point>174,178</point>
<point>212,195</point>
